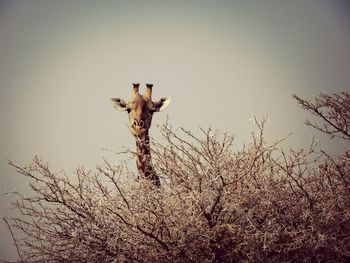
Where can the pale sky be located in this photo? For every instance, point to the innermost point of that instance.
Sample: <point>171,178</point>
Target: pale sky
<point>221,62</point>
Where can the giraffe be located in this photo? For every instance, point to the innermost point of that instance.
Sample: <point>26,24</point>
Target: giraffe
<point>140,110</point>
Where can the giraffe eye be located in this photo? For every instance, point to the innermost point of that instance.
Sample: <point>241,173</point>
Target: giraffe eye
<point>128,110</point>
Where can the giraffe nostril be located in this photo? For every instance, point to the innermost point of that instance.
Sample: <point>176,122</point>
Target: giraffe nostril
<point>138,124</point>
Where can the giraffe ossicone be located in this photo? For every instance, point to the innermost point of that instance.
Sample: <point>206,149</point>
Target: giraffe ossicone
<point>140,110</point>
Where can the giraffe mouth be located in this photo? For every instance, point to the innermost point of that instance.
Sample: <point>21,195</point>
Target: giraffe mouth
<point>137,131</point>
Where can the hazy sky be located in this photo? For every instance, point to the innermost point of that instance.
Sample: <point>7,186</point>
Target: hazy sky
<point>220,61</point>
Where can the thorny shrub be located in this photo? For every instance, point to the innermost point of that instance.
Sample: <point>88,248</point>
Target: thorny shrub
<point>258,204</point>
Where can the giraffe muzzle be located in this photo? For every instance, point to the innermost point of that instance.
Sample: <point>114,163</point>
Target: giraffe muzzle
<point>138,124</point>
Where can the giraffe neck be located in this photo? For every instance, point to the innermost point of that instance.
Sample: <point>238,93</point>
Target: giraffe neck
<point>144,159</point>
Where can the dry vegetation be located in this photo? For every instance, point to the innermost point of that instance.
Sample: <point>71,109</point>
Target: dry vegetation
<point>258,204</point>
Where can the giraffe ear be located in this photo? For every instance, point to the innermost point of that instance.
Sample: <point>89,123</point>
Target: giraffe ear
<point>119,104</point>
<point>161,104</point>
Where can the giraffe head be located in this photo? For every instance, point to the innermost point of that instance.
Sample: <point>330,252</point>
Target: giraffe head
<point>141,108</point>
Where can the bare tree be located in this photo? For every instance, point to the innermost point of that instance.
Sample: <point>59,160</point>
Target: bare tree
<point>258,204</point>
<point>334,111</point>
